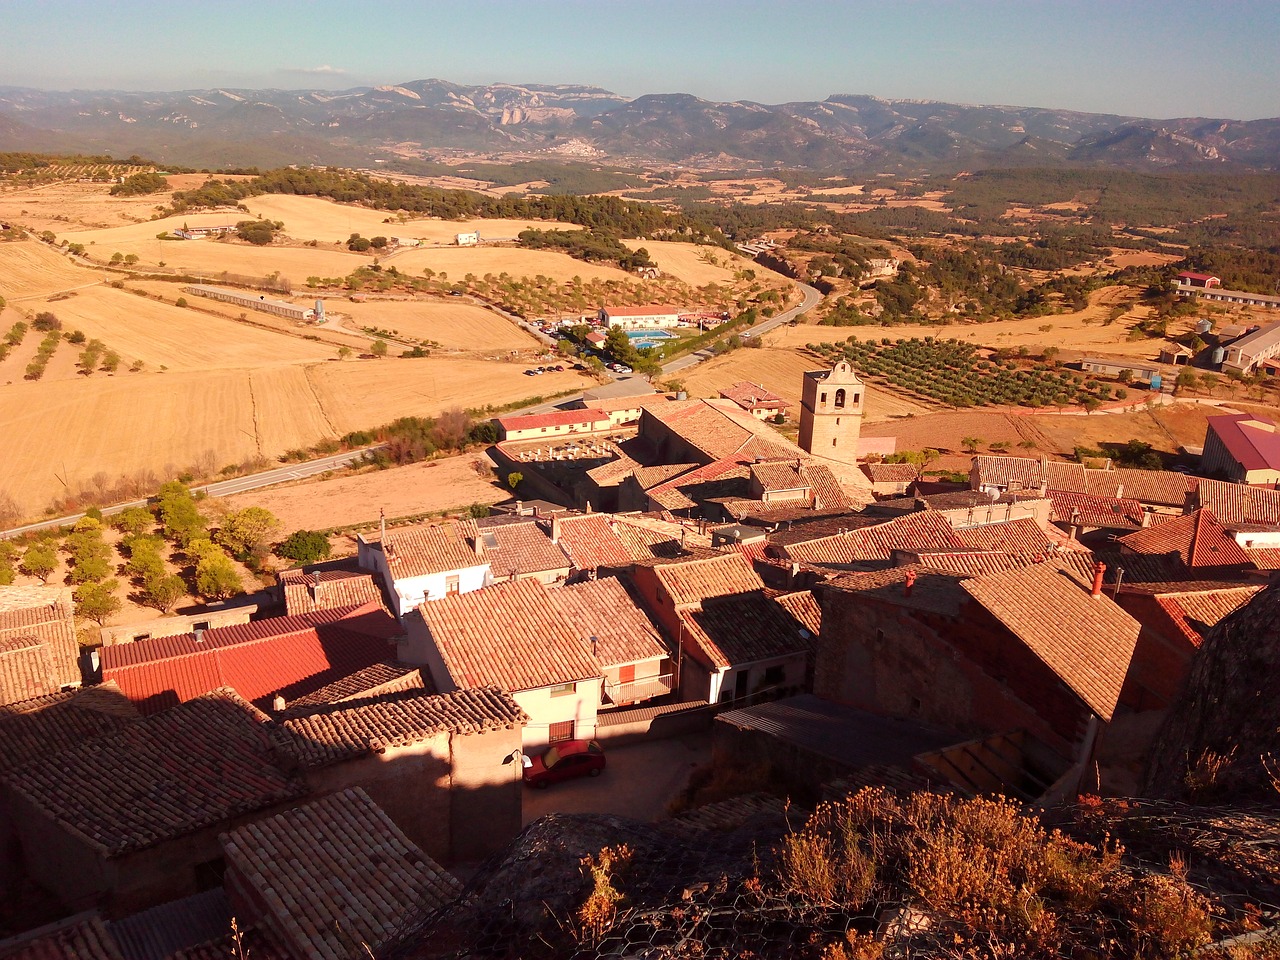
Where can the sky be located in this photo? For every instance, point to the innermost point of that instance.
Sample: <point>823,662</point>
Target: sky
<point>1129,57</point>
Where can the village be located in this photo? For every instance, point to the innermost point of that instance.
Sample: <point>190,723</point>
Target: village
<point>683,611</point>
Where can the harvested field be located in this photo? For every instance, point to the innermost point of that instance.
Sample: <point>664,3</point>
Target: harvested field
<point>781,371</point>
<point>400,491</point>
<point>455,325</point>
<point>160,334</point>
<point>212,257</point>
<point>61,207</point>
<point>1166,428</point>
<point>29,268</point>
<point>457,262</point>
<point>689,262</point>
<point>945,431</point>
<point>1120,258</point>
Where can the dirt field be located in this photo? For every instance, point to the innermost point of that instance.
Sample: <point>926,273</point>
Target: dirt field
<point>211,257</point>
<point>30,269</point>
<point>781,371</point>
<point>452,325</point>
<point>689,262</point>
<point>74,206</point>
<point>457,262</point>
<point>1166,428</point>
<point>400,491</point>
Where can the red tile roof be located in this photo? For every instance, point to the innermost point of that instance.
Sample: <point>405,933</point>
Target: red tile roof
<point>1022,535</point>
<point>346,731</point>
<point>891,472</point>
<point>46,615</point>
<point>327,589</point>
<point>1235,504</point>
<point>1196,612</point>
<point>1066,477</point>
<point>427,550</point>
<point>593,419</point>
<point>753,396</point>
<point>915,531</point>
<point>1003,471</point>
<point>86,939</point>
<point>688,490</point>
<point>646,538</point>
<point>746,628</point>
<point>518,548</point>
<point>508,635</point>
<point>42,727</point>
<point>194,766</point>
<point>804,607</point>
<point>690,582</point>
<point>590,541</point>
<point>602,609</point>
<point>1084,510</point>
<point>930,590</point>
<point>1157,487</point>
<point>1087,641</point>
<point>369,682</point>
<point>289,656</point>
<point>334,878</point>
<point>1198,539</point>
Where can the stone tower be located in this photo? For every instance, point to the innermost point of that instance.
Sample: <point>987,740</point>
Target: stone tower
<point>831,413</point>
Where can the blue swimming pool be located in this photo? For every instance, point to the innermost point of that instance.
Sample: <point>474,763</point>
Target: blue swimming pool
<point>648,338</point>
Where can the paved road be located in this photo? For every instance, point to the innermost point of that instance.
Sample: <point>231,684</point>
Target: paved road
<point>223,488</point>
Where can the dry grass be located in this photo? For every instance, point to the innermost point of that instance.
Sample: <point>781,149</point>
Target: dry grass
<point>29,268</point>
<point>453,325</point>
<point>697,265</point>
<point>457,262</point>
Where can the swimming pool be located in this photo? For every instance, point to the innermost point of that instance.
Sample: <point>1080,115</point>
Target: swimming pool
<point>648,338</point>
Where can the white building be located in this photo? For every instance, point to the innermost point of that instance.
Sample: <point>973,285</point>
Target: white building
<point>468,239</point>
<point>639,318</point>
<point>423,563</point>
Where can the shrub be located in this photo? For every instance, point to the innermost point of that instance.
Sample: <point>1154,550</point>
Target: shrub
<point>304,546</point>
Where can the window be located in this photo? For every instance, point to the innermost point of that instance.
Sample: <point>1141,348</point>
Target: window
<point>773,676</point>
<point>833,441</point>
<point>840,399</point>
<point>560,732</point>
<point>564,690</point>
<point>204,625</point>
<point>452,585</point>
<point>208,875</point>
<point>824,399</point>
<point>837,421</point>
<point>857,397</point>
<point>627,674</point>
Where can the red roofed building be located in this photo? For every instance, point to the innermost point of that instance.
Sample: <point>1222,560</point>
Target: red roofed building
<point>39,654</point>
<point>1242,448</point>
<point>557,423</point>
<point>1198,540</point>
<point>287,657</point>
<point>640,318</point>
<point>755,399</point>
<point>1187,278</point>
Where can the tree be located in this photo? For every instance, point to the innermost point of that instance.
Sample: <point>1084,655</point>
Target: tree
<point>245,533</point>
<point>46,322</point>
<point>7,554</point>
<point>514,479</point>
<point>178,513</point>
<point>163,592</point>
<point>344,352</point>
<point>378,347</point>
<point>971,444</point>
<point>304,546</point>
<point>39,560</point>
<point>97,601</point>
<point>216,576</point>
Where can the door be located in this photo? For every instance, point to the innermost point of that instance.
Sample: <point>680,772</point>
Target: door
<point>740,684</point>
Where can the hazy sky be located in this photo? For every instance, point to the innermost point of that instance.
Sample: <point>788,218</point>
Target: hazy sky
<point>1131,57</point>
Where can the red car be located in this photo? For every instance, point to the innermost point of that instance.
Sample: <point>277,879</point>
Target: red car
<point>564,761</point>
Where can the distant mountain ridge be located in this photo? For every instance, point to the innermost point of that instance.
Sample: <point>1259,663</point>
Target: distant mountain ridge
<point>367,124</point>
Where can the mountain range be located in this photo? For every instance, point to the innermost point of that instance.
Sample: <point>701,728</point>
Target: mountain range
<point>422,118</point>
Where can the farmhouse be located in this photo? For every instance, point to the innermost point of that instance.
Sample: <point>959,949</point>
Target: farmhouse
<point>423,563</point>
<point>468,239</point>
<point>1210,288</point>
<point>200,233</point>
<point>1201,280</point>
<point>253,301</point>
<point>639,318</point>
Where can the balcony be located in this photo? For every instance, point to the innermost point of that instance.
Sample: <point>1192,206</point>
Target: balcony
<point>635,691</point>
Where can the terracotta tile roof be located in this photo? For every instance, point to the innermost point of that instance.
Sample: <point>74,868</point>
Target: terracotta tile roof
<point>422,551</point>
<point>931,590</point>
<point>778,475</point>
<point>648,477</point>
<point>753,396</point>
<point>1002,471</point>
<point>1089,511</point>
<point>723,478</point>
<point>614,472</point>
<point>619,404</point>
<point>690,582</point>
<point>162,777</point>
<point>603,609</point>
<point>325,590</point>
<point>1235,503</point>
<point>160,932</point>
<point>333,879</point>
<point>288,656</point>
<point>817,526</point>
<point>518,548</point>
<point>1158,487</point>
<point>372,681</point>
<point>745,628</point>
<point>923,530</point>
<point>47,615</point>
<point>1195,613</point>
<point>891,472</point>
<point>969,562</point>
<point>26,670</point>
<point>1198,539</point>
<point>1022,535</point>
<point>646,538</point>
<point>803,605</point>
<point>590,541</point>
<point>83,940</point>
<point>508,635</point>
<point>1087,641</point>
<point>593,419</point>
<point>1066,477</point>
<point>1264,558</point>
<point>346,731</point>
<point>44,726</point>
<point>712,428</point>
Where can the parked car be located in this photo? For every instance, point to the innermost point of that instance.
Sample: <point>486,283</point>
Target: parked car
<point>565,761</point>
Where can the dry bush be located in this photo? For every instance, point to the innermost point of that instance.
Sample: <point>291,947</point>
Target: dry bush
<point>598,910</point>
<point>1203,778</point>
<point>10,512</point>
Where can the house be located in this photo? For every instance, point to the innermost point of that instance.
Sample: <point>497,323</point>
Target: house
<point>926,529</point>
<point>131,819</point>
<point>422,563</point>
<point>639,318</point>
<point>1198,540</point>
<point>1242,448</point>
<point>513,637</point>
<point>282,657</point>
<point>633,658</point>
<point>307,592</point>
<point>519,547</point>
<point>39,654</point>
<point>1237,505</point>
<point>1201,280</point>
<point>591,543</point>
<point>666,587</point>
<point>1036,648</point>
<point>626,410</point>
<point>443,766</point>
<point>756,400</point>
<point>344,897</point>
<point>549,426</point>
<point>1079,514</point>
<point>1106,367</point>
<point>891,479</point>
<point>227,614</point>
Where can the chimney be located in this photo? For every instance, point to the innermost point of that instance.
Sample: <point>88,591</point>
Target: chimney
<point>277,703</point>
<point>199,634</point>
<point>519,508</point>
<point>1098,570</point>
<point>908,583</point>
<point>555,528</point>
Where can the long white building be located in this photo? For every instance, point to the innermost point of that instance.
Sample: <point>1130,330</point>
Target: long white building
<point>639,318</point>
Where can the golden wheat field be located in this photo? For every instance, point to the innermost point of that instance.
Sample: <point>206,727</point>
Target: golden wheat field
<point>453,325</point>
<point>29,268</point>
<point>74,206</point>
